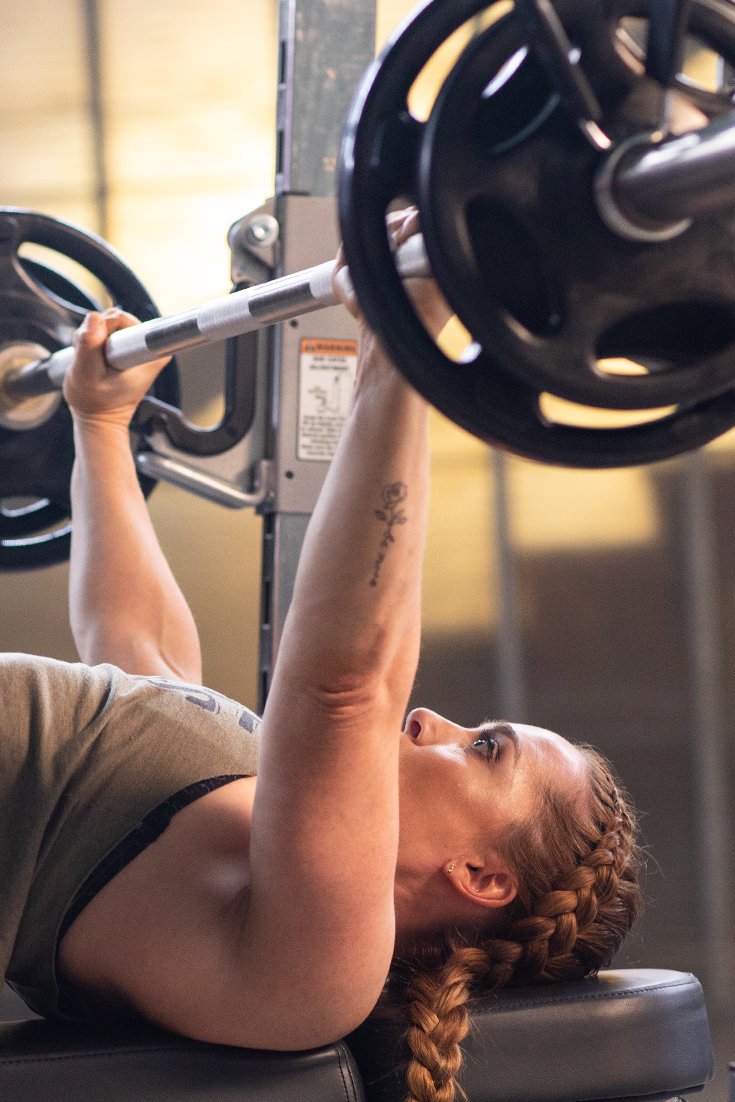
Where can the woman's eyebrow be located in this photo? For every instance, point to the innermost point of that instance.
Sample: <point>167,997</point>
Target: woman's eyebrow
<point>500,727</point>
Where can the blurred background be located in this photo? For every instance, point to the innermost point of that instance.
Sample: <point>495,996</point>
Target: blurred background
<point>600,604</point>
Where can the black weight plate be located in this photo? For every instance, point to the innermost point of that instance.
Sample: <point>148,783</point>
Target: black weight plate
<point>381,162</point>
<point>43,306</point>
<point>514,236</point>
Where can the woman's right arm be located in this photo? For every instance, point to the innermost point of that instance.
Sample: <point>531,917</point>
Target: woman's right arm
<point>325,822</point>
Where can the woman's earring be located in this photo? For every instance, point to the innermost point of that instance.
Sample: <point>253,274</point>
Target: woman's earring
<point>452,867</point>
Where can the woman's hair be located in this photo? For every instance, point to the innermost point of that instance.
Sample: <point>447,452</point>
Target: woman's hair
<point>577,865</point>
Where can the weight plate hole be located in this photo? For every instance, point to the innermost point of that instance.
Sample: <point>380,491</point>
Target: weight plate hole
<point>558,411</point>
<point>666,337</point>
<point>616,365</point>
<point>704,69</point>
<point>425,88</point>
<point>61,277</point>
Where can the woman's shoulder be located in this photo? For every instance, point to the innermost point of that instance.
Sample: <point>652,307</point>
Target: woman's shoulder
<point>40,672</point>
<point>39,675</point>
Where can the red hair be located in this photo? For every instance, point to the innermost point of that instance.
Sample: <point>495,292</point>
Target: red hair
<point>577,864</point>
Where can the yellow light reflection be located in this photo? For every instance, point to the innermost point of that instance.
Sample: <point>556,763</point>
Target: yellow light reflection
<point>558,509</point>
<point>437,69</point>
<point>454,339</point>
<point>724,443</point>
<point>559,411</point>
<point>458,574</point>
<point>704,67</point>
<point>618,366</point>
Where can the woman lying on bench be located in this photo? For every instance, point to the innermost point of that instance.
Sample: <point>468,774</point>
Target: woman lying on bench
<point>144,871</point>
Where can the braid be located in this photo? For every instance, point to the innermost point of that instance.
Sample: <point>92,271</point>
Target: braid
<point>568,922</point>
<point>439,1022</point>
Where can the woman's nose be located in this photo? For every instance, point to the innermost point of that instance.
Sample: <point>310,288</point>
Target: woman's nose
<point>426,727</point>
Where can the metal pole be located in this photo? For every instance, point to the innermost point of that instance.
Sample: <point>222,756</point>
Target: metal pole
<point>97,115</point>
<point>324,48</point>
<point>715,851</point>
<point>512,700</point>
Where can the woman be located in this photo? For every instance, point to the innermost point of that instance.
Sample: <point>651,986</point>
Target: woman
<point>162,879</point>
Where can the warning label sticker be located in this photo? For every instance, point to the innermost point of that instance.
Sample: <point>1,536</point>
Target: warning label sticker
<point>326,377</point>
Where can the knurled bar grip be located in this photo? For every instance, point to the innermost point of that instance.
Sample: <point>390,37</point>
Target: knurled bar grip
<point>228,316</point>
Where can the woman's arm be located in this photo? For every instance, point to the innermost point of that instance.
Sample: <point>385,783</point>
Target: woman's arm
<point>125,606</point>
<point>325,821</point>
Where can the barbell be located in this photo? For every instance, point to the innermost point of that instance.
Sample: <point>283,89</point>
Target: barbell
<point>577,202</point>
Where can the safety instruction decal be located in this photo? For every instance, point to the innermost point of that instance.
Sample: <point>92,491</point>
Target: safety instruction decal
<point>326,376</point>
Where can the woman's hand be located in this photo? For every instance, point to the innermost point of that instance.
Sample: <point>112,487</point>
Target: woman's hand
<point>98,393</point>
<point>428,301</point>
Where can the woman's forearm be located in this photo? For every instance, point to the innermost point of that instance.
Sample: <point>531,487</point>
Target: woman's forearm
<point>356,606</point>
<point>124,604</point>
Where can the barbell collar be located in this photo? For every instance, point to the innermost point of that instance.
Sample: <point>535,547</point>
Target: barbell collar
<point>230,315</point>
<point>672,181</point>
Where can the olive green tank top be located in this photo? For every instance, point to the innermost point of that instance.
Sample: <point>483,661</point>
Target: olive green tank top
<point>87,756</point>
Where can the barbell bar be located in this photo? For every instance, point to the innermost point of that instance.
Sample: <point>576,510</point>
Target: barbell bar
<point>220,319</point>
<point>675,180</point>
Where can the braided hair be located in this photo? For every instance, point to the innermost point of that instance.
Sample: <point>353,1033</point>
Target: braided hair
<point>577,865</point>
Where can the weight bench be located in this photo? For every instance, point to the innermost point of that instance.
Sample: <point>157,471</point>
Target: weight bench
<point>637,1035</point>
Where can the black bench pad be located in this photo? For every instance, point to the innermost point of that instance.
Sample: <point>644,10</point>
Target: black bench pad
<point>630,1034</point>
<point>45,1062</point>
<point>627,1035</point>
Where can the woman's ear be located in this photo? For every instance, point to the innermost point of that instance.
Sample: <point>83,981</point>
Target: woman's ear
<point>485,881</point>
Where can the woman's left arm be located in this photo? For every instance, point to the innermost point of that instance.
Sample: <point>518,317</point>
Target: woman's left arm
<point>125,606</point>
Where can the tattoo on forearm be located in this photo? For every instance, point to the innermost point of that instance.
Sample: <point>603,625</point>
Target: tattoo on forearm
<point>391,514</point>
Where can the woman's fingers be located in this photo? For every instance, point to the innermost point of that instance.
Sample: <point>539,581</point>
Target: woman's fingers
<point>91,387</point>
<point>424,292</point>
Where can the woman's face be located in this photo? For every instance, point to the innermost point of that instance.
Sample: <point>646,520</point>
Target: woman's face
<point>462,788</point>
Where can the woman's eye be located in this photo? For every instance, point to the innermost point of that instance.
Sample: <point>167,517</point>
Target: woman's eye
<point>488,746</point>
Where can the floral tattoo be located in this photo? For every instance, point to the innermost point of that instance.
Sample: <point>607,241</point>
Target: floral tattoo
<point>391,514</point>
